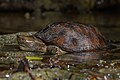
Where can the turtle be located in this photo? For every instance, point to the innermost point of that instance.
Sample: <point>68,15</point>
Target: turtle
<point>64,37</point>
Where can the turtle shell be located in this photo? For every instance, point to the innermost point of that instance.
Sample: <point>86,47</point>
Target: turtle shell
<point>72,36</point>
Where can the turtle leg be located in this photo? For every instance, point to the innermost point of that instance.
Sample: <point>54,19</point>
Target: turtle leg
<point>51,49</point>
<point>57,53</point>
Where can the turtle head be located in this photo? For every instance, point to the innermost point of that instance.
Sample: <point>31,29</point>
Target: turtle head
<point>30,43</point>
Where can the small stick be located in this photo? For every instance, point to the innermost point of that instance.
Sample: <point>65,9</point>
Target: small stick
<point>27,68</point>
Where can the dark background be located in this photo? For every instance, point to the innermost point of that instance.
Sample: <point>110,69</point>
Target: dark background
<point>33,15</point>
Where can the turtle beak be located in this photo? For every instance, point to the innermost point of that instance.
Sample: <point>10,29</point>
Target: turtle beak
<point>24,39</point>
<point>23,42</point>
<point>20,39</point>
<point>30,43</point>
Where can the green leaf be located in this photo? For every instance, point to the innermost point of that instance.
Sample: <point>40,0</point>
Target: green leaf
<point>33,58</point>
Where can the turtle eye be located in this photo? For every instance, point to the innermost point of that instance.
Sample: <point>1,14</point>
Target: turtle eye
<point>20,38</point>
